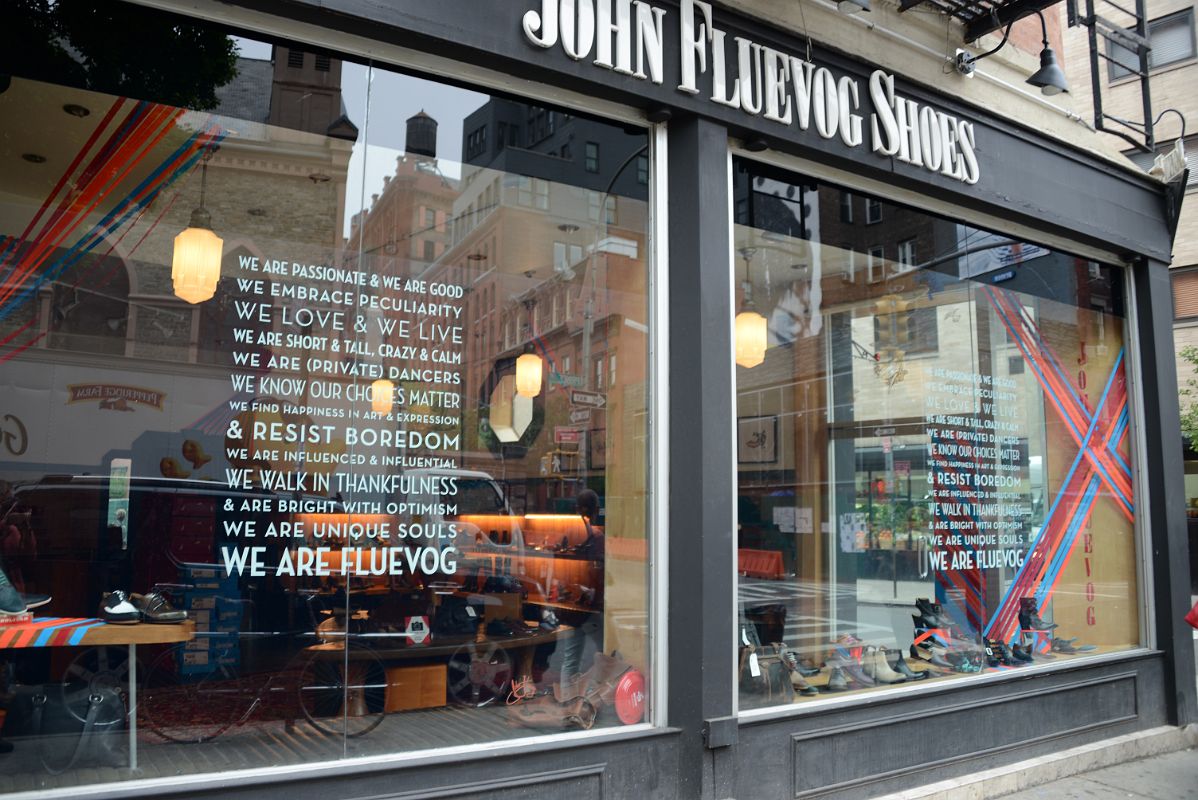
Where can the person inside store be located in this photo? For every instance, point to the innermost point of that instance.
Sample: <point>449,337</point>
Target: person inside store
<point>18,545</point>
<point>588,623</point>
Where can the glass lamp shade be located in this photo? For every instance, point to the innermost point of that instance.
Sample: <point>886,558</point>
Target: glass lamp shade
<point>382,392</point>
<point>750,339</point>
<point>528,375</point>
<point>195,268</point>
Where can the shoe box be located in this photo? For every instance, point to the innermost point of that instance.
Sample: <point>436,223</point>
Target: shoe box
<point>213,603</point>
<point>412,687</point>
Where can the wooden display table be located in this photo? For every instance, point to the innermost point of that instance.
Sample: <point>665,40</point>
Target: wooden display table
<point>473,653</point>
<point>87,632</point>
<point>442,646</point>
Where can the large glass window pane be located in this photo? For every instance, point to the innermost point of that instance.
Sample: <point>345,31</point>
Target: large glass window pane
<point>304,469</point>
<point>933,453</point>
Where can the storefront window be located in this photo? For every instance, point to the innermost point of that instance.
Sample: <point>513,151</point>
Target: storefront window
<point>303,468</point>
<point>933,453</point>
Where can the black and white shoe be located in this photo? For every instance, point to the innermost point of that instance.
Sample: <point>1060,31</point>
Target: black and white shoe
<point>116,608</point>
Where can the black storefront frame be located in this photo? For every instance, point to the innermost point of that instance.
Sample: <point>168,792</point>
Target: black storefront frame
<point>703,750</point>
<point>1147,641</point>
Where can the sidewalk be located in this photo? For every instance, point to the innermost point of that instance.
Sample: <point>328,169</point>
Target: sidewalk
<point>1154,764</point>
<point>1172,776</point>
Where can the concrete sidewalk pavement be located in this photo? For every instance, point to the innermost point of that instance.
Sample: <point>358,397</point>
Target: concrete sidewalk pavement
<point>1159,763</point>
<point>1168,776</point>
<point>1171,776</point>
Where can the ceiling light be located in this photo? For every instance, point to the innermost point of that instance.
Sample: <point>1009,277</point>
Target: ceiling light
<point>750,327</point>
<point>34,158</point>
<point>382,395</point>
<point>76,110</point>
<point>195,267</point>
<point>528,375</point>
<point>852,6</point>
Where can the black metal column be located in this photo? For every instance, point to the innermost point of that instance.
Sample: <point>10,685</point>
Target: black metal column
<point>1166,521</point>
<point>701,480</point>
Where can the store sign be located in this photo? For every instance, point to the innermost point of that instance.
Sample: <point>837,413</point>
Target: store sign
<point>628,37</point>
<point>115,397</point>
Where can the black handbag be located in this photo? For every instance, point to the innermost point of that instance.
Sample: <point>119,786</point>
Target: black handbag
<point>85,730</point>
<point>456,617</point>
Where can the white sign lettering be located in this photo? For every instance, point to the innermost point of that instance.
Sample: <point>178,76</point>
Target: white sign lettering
<point>627,36</point>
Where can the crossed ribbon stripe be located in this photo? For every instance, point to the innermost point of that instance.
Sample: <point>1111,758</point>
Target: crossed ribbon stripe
<point>1097,465</point>
<point>40,255</point>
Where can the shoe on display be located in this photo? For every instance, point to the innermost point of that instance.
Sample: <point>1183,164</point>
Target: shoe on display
<point>877,667</point>
<point>895,659</point>
<point>855,673</point>
<point>33,601</point>
<point>1068,647</point>
<point>801,686</point>
<point>967,663</point>
<point>805,669</point>
<point>930,655</point>
<point>932,613</point>
<point>998,653</point>
<point>116,608</point>
<point>156,608</point>
<point>1029,616</point>
<point>11,601</point>
<point>837,681</point>
<point>1021,654</point>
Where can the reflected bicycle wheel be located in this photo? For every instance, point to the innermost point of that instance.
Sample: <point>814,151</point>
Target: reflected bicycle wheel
<point>191,708</point>
<point>479,674</point>
<point>339,695</point>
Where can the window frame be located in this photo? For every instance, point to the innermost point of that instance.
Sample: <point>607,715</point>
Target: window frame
<point>1117,73</point>
<point>397,57</point>
<point>873,210</point>
<point>1147,639</point>
<point>1174,274</point>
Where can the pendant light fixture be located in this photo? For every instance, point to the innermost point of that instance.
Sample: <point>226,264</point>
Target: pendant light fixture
<point>195,268</point>
<point>750,325</point>
<point>528,374</point>
<point>382,396</point>
<point>528,365</point>
<point>1049,79</point>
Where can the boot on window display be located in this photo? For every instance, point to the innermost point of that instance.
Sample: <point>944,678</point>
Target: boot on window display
<point>1029,616</point>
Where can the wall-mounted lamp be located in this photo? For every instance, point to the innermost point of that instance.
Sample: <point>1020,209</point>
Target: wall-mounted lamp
<point>1050,78</point>
<point>195,267</point>
<point>382,396</point>
<point>852,6</point>
<point>750,327</point>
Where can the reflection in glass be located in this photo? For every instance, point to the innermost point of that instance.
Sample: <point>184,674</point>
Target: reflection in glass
<point>934,457</point>
<point>382,539</point>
